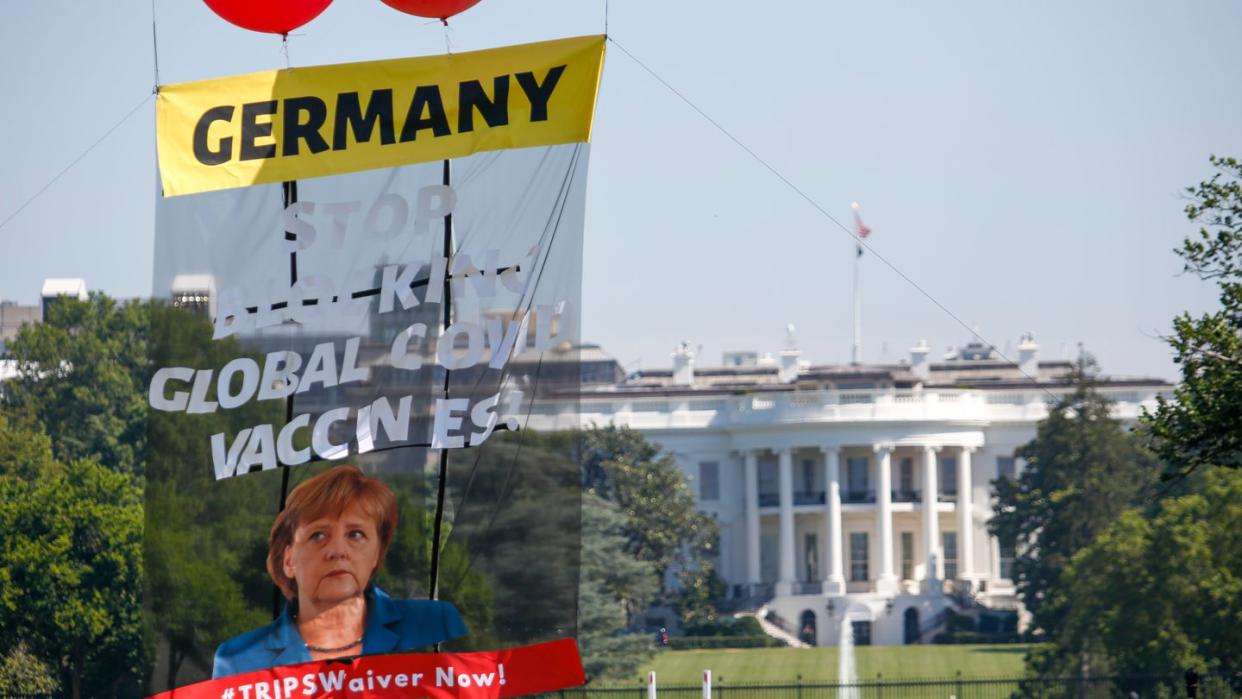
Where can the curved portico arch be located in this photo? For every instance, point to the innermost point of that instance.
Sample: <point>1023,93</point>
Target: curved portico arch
<point>859,616</point>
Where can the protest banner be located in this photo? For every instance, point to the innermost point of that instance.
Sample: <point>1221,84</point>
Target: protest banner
<point>374,264</point>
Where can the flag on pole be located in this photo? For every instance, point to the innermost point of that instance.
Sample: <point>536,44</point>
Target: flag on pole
<point>860,229</point>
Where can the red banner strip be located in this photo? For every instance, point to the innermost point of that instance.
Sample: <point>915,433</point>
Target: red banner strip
<point>535,669</point>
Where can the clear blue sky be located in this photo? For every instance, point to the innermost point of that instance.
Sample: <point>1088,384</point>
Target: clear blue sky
<point>1023,162</point>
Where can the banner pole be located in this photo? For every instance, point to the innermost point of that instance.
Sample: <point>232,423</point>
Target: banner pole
<point>289,192</point>
<point>444,460</point>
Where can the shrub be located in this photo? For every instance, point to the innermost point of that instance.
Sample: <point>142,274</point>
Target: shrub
<point>726,626</point>
<point>749,641</point>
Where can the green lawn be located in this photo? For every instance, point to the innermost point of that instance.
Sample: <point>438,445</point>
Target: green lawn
<point>939,662</point>
<point>772,665</point>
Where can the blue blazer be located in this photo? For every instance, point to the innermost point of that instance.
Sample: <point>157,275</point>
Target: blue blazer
<point>392,625</point>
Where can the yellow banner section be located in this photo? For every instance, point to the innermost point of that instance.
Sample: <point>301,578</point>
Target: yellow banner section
<point>326,120</point>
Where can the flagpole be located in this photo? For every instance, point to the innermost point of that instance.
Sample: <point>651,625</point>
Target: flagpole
<point>856,355</point>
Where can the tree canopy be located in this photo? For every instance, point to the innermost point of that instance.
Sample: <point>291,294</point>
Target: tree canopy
<point>71,568</point>
<point>1082,471</point>
<point>1199,426</point>
<point>1123,575</point>
<point>1161,592</point>
<point>612,582</point>
<point>82,374</point>
<point>663,523</point>
<point>72,439</point>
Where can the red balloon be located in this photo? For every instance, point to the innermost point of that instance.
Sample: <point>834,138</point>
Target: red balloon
<point>436,9</point>
<point>273,16</point>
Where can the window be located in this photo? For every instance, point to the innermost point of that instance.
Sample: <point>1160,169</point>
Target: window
<point>808,476</point>
<point>1005,467</point>
<point>948,476</point>
<point>1007,552</point>
<point>856,470</point>
<point>709,481</point>
<point>858,557</point>
<point>907,555</point>
<point>949,540</point>
<point>768,488</point>
<point>810,555</point>
<point>906,475</point>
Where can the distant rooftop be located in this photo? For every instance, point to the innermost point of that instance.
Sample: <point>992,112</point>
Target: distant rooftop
<point>973,365</point>
<point>64,287</point>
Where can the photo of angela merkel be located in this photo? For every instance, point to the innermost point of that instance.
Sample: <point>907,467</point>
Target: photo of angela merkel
<point>323,552</point>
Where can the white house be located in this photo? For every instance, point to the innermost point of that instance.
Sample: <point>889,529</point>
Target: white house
<point>856,493</point>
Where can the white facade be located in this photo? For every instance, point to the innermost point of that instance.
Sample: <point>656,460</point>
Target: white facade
<point>840,503</point>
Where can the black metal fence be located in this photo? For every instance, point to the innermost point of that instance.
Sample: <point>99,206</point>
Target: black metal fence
<point>1207,686</point>
<point>1137,687</point>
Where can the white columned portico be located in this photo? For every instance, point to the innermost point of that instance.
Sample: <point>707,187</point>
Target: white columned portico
<point>965,518</point>
<point>753,575</point>
<point>887,582</point>
<point>785,583</point>
<point>835,584</point>
<point>931,522</point>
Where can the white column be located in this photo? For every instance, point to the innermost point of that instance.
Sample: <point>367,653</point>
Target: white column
<point>753,574</point>
<point>933,571</point>
<point>994,552</point>
<point>887,582</point>
<point>835,584</point>
<point>965,519</point>
<point>784,586</point>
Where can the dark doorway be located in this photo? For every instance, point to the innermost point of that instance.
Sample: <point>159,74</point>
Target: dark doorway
<point>807,628</point>
<point>862,633</point>
<point>911,625</point>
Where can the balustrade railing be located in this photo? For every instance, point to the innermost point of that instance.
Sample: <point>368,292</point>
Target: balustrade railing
<point>808,587</point>
<point>873,403</point>
<point>809,498</point>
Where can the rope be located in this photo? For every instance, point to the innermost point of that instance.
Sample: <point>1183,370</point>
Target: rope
<point>806,197</point>
<point>75,161</point>
<point>155,49</point>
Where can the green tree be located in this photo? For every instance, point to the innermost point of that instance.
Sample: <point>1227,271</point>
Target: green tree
<point>71,563</point>
<point>613,582</point>
<point>1161,591</point>
<point>663,523</point>
<point>23,673</point>
<point>25,451</point>
<point>1164,592</point>
<point>1155,586</point>
<point>82,374</point>
<point>1198,427</point>
<point>1082,471</point>
<point>195,578</point>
